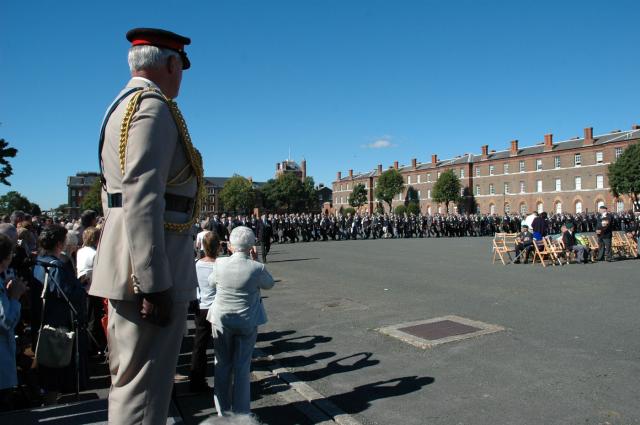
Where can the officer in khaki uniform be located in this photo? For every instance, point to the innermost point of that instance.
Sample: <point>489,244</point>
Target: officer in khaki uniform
<point>144,264</point>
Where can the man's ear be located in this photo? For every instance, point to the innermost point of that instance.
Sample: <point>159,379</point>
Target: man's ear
<point>172,64</point>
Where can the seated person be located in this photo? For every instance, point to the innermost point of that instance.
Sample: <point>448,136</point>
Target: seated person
<point>572,245</point>
<point>524,242</point>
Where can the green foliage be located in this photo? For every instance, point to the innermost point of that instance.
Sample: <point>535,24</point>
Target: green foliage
<point>5,167</point>
<point>348,210</point>
<point>412,196</point>
<point>389,185</point>
<point>467,203</point>
<point>379,208</point>
<point>288,194</point>
<point>413,208</point>
<point>93,198</point>
<point>358,196</point>
<point>13,201</point>
<point>238,195</point>
<point>446,189</point>
<point>400,209</point>
<point>624,174</point>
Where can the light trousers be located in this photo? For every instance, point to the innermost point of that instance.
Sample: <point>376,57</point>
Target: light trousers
<point>142,362</point>
<point>232,382</point>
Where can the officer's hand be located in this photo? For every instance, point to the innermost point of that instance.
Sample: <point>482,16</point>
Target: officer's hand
<point>156,308</point>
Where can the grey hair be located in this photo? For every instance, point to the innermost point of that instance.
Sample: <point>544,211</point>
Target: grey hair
<point>9,230</point>
<point>232,419</point>
<point>148,57</point>
<point>242,238</point>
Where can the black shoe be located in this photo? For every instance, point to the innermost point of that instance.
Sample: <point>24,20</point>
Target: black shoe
<point>516,262</point>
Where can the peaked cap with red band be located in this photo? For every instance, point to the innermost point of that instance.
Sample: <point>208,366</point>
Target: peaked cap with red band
<point>160,38</point>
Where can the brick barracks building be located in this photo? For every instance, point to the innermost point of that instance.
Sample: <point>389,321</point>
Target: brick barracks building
<point>568,176</point>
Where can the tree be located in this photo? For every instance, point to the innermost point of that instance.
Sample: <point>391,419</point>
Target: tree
<point>13,201</point>
<point>446,189</point>
<point>389,185</point>
<point>5,167</point>
<point>624,174</point>
<point>93,198</point>
<point>288,193</point>
<point>238,195</point>
<point>358,196</point>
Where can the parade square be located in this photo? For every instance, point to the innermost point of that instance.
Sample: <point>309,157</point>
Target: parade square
<point>568,353</point>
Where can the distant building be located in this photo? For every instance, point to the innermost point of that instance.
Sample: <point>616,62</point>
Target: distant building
<point>77,188</point>
<point>568,176</point>
<point>289,166</point>
<point>325,197</point>
<point>213,186</point>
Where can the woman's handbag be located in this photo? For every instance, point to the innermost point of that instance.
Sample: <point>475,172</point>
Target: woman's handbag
<point>55,345</point>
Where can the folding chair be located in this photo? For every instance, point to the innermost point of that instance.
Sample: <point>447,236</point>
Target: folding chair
<point>594,246</point>
<point>540,252</point>
<point>555,249</point>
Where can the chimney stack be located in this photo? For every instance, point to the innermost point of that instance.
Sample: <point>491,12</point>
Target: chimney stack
<point>434,159</point>
<point>548,142</point>
<point>485,151</point>
<point>303,166</point>
<point>250,179</point>
<point>379,169</point>
<point>588,136</point>
<point>339,175</point>
<point>350,174</point>
<point>395,164</point>
<point>514,147</point>
<point>414,163</point>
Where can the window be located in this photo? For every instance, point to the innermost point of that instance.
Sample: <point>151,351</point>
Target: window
<point>73,192</point>
<point>507,208</point>
<point>620,206</point>
<point>558,185</point>
<point>462,173</point>
<point>523,208</point>
<point>477,189</point>
<point>428,177</point>
<point>599,204</point>
<point>522,187</point>
<point>578,181</point>
<point>506,188</point>
<point>540,207</point>
<point>558,207</point>
<point>492,190</point>
<point>556,162</point>
<point>578,207</point>
<point>429,210</point>
<point>439,173</point>
<point>492,209</point>
<point>462,191</point>
<point>491,170</point>
<point>599,181</point>
<point>419,194</point>
<point>505,168</point>
<point>521,165</point>
<point>618,152</point>
<point>477,171</point>
<point>419,178</point>
<point>538,165</point>
<point>408,179</point>
<point>429,194</point>
<point>599,157</point>
<point>577,160</point>
<point>539,185</point>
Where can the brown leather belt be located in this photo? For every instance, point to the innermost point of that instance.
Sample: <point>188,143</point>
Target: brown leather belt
<point>176,203</point>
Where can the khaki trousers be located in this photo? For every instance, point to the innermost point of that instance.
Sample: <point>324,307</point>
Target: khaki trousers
<point>142,362</point>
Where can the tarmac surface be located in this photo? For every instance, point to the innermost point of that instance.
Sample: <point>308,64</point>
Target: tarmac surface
<point>569,352</point>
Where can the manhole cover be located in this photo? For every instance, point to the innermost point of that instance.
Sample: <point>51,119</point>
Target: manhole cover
<point>440,330</point>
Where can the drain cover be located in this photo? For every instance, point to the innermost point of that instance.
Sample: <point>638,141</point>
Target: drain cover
<point>440,330</point>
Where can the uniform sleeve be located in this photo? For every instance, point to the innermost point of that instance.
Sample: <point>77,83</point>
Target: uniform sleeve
<point>152,138</point>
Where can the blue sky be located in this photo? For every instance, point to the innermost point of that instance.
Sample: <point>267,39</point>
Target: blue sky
<point>343,83</point>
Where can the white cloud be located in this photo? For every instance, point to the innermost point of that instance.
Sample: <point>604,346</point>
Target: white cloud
<point>382,143</point>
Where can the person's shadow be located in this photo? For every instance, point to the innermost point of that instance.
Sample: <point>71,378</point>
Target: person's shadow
<point>359,399</point>
<point>341,365</point>
<point>300,343</point>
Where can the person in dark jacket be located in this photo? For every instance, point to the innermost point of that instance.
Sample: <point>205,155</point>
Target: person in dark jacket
<point>605,233</point>
<point>571,244</point>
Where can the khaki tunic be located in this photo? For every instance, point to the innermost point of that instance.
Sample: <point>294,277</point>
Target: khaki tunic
<point>134,239</point>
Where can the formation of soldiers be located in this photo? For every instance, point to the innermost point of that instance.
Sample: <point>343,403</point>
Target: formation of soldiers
<point>306,227</point>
